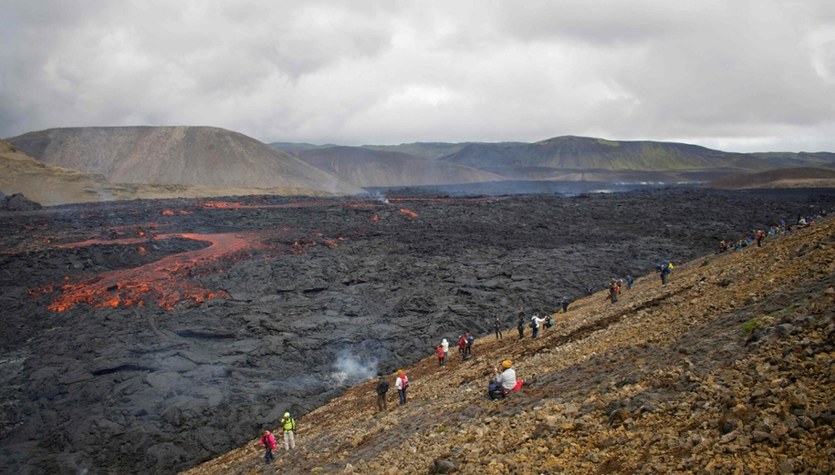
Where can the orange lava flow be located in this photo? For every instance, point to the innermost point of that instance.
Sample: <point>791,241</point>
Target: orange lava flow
<point>165,281</point>
<point>408,212</point>
<point>222,204</point>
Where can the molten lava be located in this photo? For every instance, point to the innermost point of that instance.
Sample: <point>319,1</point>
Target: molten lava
<point>165,281</point>
<point>408,212</point>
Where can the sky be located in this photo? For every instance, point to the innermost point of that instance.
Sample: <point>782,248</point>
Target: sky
<point>741,75</point>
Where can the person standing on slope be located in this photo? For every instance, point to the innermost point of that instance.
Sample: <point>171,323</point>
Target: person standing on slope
<point>445,346</point>
<point>520,326</point>
<point>289,425</point>
<point>401,383</point>
<point>536,322</point>
<point>268,442</point>
<point>497,326</point>
<point>382,393</point>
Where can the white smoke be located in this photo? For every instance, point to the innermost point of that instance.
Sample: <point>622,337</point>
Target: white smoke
<point>348,369</point>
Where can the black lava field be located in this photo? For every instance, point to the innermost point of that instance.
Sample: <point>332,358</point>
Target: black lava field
<point>148,336</point>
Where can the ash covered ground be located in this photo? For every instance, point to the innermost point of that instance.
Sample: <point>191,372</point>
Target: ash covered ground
<point>147,336</point>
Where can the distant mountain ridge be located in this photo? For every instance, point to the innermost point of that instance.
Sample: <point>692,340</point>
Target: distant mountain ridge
<point>572,158</point>
<point>378,168</point>
<point>200,156</point>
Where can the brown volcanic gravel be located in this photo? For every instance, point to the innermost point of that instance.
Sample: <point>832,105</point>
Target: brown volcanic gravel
<point>727,369</point>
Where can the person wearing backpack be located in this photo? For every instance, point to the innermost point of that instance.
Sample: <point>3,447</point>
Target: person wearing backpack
<point>382,391</point>
<point>289,425</point>
<point>268,442</point>
<point>497,327</point>
<point>401,383</point>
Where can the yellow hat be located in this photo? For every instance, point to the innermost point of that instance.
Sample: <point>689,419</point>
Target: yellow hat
<point>286,414</point>
<point>400,372</point>
<point>507,364</point>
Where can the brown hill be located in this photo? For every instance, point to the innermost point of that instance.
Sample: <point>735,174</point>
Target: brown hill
<point>201,156</point>
<point>804,177</point>
<point>727,369</point>
<point>50,185</point>
<point>365,167</point>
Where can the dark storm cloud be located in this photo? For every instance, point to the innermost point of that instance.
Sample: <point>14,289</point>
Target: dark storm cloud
<point>733,75</point>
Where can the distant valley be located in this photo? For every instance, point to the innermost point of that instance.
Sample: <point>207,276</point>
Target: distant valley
<point>73,165</point>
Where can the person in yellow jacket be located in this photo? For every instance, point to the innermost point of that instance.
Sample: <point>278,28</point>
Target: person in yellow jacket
<point>289,425</point>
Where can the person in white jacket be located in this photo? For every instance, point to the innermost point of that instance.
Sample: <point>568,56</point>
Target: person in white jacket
<point>401,383</point>
<point>536,322</point>
<point>445,346</point>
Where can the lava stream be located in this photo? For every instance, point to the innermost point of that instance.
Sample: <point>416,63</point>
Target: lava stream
<point>165,281</point>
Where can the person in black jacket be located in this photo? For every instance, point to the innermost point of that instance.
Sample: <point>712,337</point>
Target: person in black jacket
<point>382,390</point>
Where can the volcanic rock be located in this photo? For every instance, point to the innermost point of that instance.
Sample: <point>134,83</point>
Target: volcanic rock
<point>17,202</point>
<point>151,335</point>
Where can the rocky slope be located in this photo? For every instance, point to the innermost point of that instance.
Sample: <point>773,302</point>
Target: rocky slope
<point>727,369</point>
<point>202,156</point>
<point>781,178</point>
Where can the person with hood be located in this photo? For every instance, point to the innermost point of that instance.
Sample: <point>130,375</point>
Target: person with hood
<point>289,425</point>
<point>505,381</point>
<point>401,383</point>
<point>497,327</point>
<point>268,442</point>
<point>564,302</point>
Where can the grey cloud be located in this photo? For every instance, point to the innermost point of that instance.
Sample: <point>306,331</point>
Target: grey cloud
<point>738,73</point>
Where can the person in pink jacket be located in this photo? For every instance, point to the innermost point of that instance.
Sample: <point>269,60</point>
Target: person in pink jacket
<point>268,441</point>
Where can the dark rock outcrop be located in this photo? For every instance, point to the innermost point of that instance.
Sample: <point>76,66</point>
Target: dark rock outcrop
<point>17,202</point>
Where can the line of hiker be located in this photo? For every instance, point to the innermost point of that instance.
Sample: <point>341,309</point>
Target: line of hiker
<point>759,236</point>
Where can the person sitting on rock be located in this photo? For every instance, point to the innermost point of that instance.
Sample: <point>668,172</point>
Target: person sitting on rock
<point>505,381</point>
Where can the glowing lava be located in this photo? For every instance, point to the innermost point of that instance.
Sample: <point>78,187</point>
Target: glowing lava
<point>164,281</point>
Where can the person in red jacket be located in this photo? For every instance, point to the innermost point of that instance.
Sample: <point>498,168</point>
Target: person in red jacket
<point>268,442</point>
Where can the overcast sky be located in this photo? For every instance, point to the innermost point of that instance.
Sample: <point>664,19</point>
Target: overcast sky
<point>735,75</point>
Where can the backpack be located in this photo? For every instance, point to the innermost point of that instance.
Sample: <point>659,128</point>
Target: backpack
<point>533,323</point>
